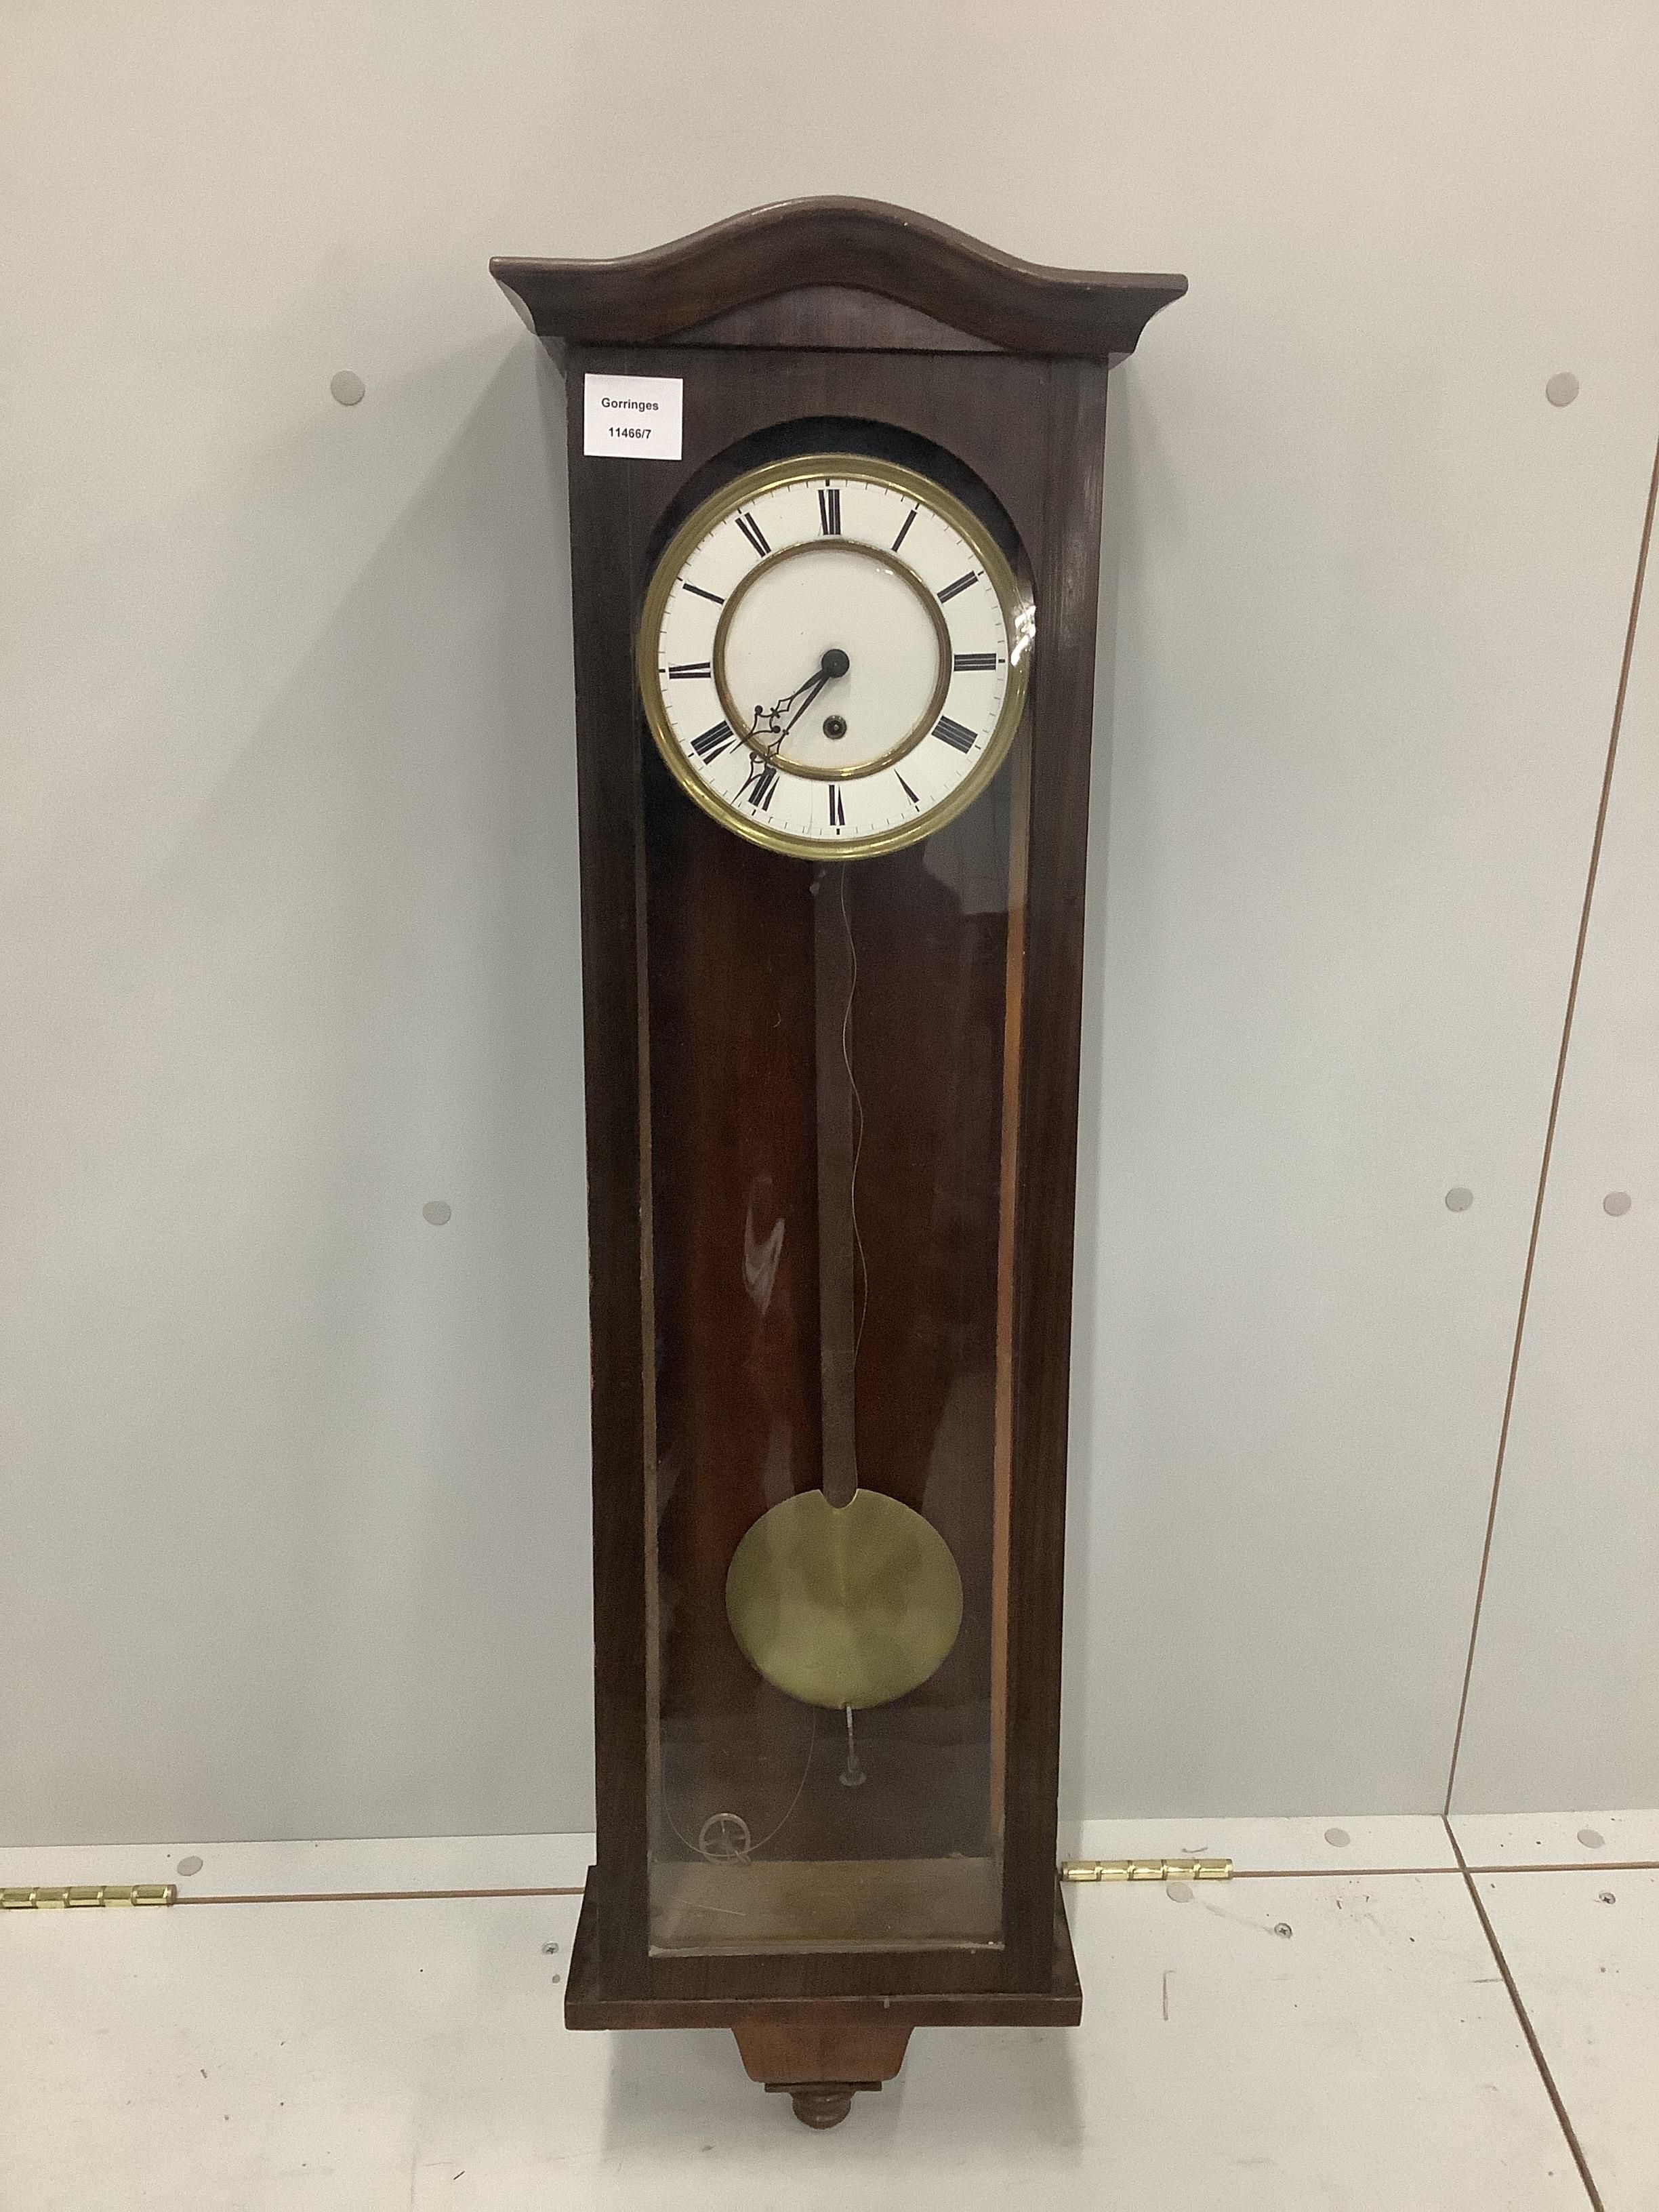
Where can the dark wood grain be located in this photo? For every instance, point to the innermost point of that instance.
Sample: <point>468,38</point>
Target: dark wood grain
<point>591,2001</point>
<point>832,990</point>
<point>698,966</point>
<point>862,246</point>
<point>963,403</point>
<point>732,1341</point>
<point>603,563</point>
<point>833,316</point>
<point>1066,563</point>
<point>856,2054</point>
<point>749,972</point>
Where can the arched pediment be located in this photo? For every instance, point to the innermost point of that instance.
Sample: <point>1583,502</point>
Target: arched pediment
<point>782,275</point>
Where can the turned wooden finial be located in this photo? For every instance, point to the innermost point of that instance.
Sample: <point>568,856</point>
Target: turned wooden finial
<point>821,2104</point>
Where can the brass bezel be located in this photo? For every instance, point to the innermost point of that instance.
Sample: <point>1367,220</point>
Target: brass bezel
<point>1019,614</point>
<point>858,550</point>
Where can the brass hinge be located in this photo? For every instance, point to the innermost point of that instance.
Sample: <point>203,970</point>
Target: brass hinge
<point>1147,1870</point>
<point>80,1896</point>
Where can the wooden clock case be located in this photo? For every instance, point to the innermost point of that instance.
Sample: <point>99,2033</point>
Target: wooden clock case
<point>796,323</point>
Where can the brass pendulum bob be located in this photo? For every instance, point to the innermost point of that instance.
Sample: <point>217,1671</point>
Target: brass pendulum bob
<point>840,1596</point>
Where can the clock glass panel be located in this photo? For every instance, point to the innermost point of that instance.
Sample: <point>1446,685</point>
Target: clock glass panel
<point>832,995</point>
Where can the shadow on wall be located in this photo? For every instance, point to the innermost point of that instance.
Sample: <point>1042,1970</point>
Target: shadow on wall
<point>348,985</point>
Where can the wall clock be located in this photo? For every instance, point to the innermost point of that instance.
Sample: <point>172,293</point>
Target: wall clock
<point>835,477</point>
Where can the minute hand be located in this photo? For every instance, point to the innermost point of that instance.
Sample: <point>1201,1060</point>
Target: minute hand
<point>812,690</point>
<point>834,663</point>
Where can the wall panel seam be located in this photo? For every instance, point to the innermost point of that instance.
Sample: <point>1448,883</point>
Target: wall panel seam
<point>1550,1126</point>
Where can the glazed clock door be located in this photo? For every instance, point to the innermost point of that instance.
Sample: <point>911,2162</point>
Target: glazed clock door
<point>833,656</point>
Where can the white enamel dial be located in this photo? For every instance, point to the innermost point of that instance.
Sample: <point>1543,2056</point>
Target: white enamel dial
<point>833,655</point>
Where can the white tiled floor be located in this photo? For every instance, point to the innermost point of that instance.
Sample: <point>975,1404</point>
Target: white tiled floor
<point>1584,1952</point>
<point>1314,2038</point>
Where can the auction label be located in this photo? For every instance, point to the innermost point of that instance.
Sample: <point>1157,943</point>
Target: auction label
<point>636,418</point>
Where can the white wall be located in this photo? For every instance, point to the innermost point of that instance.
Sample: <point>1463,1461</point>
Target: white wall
<point>294,1537</point>
<point>1565,1686</point>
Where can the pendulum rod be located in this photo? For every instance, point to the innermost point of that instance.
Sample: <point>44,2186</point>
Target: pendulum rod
<point>841,1595</point>
<point>837,1106</point>
<point>852,1775</point>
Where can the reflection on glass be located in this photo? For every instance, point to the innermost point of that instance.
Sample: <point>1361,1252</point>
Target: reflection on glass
<point>830,1052</point>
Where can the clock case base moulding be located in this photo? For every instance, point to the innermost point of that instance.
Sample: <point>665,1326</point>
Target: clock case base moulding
<point>827,312</point>
<point>823,2049</point>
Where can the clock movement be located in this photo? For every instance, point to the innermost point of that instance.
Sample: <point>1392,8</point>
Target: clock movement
<point>834,544</point>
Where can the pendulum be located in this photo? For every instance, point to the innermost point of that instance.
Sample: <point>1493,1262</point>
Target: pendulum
<point>841,1596</point>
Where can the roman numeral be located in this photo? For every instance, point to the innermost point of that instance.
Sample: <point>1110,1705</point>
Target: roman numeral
<point>693,668</point>
<point>829,510</point>
<point>964,662</point>
<point>837,818</point>
<point>713,743</point>
<point>906,789</point>
<point>954,734</point>
<point>904,527</point>
<point>960,585</point>
<point>763,778</point>
<point>752,530</point>
<point>712,598</point>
